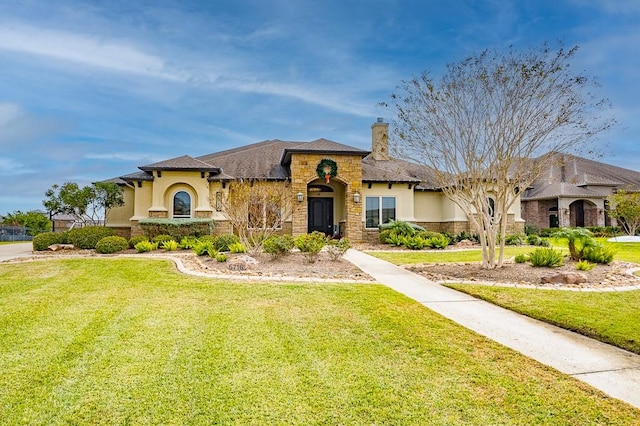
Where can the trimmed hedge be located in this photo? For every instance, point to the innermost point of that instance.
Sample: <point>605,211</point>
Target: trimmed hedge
<point>88,237</point>
<point>43,241</point>
<point>177,228</point>
<point>112,244</point>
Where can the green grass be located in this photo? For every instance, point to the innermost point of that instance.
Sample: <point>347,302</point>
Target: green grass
<point>405,257</point>
<point>130,341</point>
<point>609,317</point>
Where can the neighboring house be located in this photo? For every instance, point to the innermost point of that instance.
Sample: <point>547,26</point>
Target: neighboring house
<point>573,192</point>
<point>363,189</point>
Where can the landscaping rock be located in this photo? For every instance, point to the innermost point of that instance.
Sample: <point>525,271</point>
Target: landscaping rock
<point>56,247</point>
<point>242,263</point>
<point>565,278</point>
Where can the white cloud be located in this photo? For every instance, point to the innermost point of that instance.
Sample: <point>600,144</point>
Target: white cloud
<point>83,49</point>
<point>126,156</point>
<point>10,167</point>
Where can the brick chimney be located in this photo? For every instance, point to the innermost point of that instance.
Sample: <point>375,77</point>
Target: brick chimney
<point>380,140</point>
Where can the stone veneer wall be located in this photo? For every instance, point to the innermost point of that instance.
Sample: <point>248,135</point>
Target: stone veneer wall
<point>303,171</point>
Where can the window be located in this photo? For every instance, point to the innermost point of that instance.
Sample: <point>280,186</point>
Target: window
<point>379,210</point>
<point>264,214</point>
<point>182,204</point>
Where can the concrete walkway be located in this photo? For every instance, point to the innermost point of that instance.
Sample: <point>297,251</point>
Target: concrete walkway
<point>614,371</point>
<point>14,251</point>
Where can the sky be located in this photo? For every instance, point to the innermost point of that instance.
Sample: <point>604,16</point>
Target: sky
<point>90,90</point>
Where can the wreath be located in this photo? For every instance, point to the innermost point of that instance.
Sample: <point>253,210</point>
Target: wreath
<point>327,169</point>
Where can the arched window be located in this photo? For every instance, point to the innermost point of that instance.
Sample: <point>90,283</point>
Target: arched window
<point>181,204</point>
<point>492,206</point>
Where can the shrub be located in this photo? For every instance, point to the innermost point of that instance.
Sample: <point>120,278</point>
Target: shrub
<point>221,257</point>
<point>278,245</point>
<point>599,254</point>
<point>520,258</point>
<point>177,228</point>
<point>578,239</point>
<point>112,244</point>
<point>212,252</point>
<point>439,241</point>
<point>204,247</point>
<point>401,227</point>
<point>170,245</point>
<point>414,242</point>
<point>146,246</point>
<point>584,265</point>
<point>135,240</point>
<point>88,237</point>
<point>395,239</point>
<point>546,257</point>
<point>383,235</point>
<point>514,240</point>
<point>337,248</point>
<point>187,243</point>
<point>237,248</point>
<point>222,242</point>
<point>464,235</point>
<point>530,229</point>
<point>43,241</point>
<point>311,244</point>
<point>162,238</point>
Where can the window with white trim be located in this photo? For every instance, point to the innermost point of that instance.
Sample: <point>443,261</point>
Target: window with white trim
<point>379,210</point>
<point>182,204</point>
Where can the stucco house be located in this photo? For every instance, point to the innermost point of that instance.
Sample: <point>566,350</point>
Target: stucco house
<point>572,191</point>
<point>361,189</point>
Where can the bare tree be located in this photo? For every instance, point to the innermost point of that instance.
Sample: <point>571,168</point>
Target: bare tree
<point>489,125</point>
<point>625,207</point>
<point>257,209</point>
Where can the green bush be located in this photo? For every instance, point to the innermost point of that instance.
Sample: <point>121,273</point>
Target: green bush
<point>464,235</point>
<point>414,242</point>
<point>177,228</point>
<point>547,257</point>
<point>599,254</point>
<point>224,241</point>
<point>278,245</point>
<point>395,239</point>
<point>237,248</point>
<point>213,253</point>
<point>604,231</point>
<point>146,246</point>
<point>439,241</point>
<point>520,258</point>
<point>221,257</point>
<point>162,238</point>
<point>112,244</point>
<point>88,237</point>
<point>311,244</point>
<point>405,229</point>
<point>135,240</point>
<point>578,240</point>
<point>383,235</point>
<point>187,243</point>
<point>337,248</point>
<point>514,240</point>
<point>585,265</point>
<point>43,241</point>
<point>170,245</point>
<point>204,247</point>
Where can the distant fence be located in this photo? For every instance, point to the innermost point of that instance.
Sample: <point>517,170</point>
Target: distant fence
<point>15,233</point>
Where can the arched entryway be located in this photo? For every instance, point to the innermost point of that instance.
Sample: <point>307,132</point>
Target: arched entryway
<point>583,213</point>
<point>325,207</point>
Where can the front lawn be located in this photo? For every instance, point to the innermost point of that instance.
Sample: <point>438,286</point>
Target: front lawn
<point>609,317</point>
<point>113,341</point>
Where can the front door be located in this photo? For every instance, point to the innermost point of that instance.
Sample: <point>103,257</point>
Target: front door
<point>320,215</point>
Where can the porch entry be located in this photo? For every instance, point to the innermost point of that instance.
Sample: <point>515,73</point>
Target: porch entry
<point>320,216</point>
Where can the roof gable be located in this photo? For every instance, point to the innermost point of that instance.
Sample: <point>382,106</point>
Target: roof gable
<point>320,146</point>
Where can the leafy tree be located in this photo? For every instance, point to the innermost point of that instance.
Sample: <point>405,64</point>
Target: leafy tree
<point>487,127</point>
<point>625,208</point>
<point>89,204</point>
<point>36,222</point>
<point>257,210</point>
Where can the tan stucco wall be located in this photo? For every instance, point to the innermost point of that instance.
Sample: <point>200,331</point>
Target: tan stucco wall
<point>120,216</point>
<point>403,195</point>
<point>166,186</point>
<point>142,200</point>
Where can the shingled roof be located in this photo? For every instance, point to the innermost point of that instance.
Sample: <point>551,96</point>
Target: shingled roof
<point>396,171</point>
<point>183,163</point>
<point>571,176</point>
